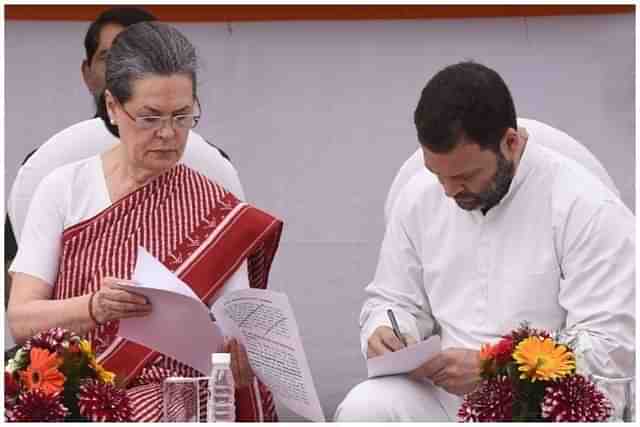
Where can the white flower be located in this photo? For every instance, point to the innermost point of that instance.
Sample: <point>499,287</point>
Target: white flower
<point>12,366</point>
<point>21,355</point>
<point>19,361</point>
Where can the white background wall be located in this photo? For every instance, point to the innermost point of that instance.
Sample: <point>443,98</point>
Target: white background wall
<point>317,117</point>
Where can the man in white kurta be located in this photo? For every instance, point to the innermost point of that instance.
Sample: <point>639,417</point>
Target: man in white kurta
<point>557,250</point>
<point>538,132</point>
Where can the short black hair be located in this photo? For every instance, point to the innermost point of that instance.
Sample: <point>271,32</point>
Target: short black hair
<point>466,99</point>
<point>125,16</point>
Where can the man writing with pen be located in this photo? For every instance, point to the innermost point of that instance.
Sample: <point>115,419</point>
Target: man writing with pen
<point>511,231</point>
<point>463,373</point>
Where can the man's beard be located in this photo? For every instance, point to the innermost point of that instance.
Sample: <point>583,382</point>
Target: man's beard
<point>498,188</point>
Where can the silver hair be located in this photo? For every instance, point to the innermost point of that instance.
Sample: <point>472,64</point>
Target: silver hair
<point>148,48</point>
<point>142,50</point>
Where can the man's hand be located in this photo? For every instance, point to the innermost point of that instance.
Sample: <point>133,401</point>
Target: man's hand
<point>457,370</point>
<point>242,373</point>
<point>383,340</point>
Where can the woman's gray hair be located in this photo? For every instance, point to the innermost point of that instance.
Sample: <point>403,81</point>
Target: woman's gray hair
<point>142,50</point>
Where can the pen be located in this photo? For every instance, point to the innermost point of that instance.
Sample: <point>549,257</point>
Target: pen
<point>394,325</point>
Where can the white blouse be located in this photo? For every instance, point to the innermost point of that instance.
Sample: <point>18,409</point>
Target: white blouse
<point>558,251</point>
<point>67,196</point>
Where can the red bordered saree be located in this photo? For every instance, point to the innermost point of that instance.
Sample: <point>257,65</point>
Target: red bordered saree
<point>199,231</point>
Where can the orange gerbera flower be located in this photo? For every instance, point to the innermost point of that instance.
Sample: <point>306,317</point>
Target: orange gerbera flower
<point>487,352</point>
<point>42,373</point>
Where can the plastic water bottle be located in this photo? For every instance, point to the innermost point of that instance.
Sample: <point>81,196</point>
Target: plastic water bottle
<point>221,406</point>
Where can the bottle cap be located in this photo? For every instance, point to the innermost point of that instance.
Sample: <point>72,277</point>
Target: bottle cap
<point>220,359</point>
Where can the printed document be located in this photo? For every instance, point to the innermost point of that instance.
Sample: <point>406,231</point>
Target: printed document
<point>181,327</point>
<point>266,326</point>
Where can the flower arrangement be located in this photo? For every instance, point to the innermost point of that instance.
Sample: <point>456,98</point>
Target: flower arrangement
<point>55,376</point>
<point>529,376</point>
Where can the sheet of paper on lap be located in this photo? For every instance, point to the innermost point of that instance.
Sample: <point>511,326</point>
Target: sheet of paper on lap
<point>405,360</point>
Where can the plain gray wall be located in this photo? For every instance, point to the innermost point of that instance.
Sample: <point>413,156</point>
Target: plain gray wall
<point>317,117</point>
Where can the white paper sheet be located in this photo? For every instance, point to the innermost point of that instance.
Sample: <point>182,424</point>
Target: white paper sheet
<point>179,325</point>
<point>265,324</point>
<point>263,321</point>
<point>153,274</point>
<point>405,360</point>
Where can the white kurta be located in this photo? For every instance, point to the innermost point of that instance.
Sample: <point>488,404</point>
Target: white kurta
<point>558,251</point>
<point>539,133</point>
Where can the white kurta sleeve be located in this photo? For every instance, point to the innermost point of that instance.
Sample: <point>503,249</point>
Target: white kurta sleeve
<point>598,290</point>
<point>40,242</point>
<point>397,285</point>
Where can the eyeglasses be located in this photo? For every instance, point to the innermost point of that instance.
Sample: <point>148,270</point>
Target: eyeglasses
<point>178,121</point>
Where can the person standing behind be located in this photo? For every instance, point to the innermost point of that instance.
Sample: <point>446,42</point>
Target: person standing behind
<point>510,232</point>
<point>98,40</point>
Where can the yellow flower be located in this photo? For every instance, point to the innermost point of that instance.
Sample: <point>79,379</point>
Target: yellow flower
<point>103,375</point>
<point>542,359</point>
<point>85,347</point>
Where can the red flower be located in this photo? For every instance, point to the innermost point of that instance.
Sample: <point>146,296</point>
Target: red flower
<point>493,357</point>
<point>103,402</point>
<point>492,401</point>
<point>11,387</point>
<point>51,340</point>
<point>525,331</point>
<point>38,406</point>
<point>574,399</point>
<point>503,351</point>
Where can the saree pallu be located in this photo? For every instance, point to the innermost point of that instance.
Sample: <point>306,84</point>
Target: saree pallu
<point>199,231</point>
